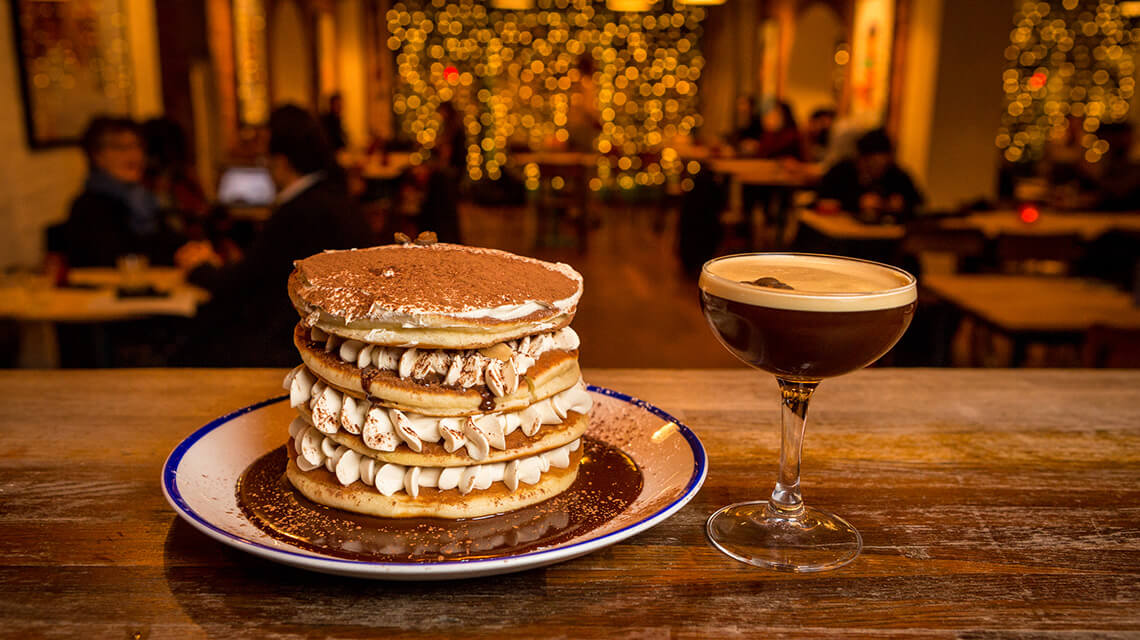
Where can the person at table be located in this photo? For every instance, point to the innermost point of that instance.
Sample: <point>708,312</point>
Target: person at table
<point>440,209</point>
<point>817,134</point>
<point>779,140</point>
<point>114,215</point>
<point>332,123</point>
<point>583,119</point>
<point>169,176</point>
<point>749,128</point>
<point>871,186</point>
<point>249,319</point>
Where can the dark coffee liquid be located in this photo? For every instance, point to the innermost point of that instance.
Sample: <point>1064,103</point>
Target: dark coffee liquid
<point>805,344</point>
<point>608,481</point>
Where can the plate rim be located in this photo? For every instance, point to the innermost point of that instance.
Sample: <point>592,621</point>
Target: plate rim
<point>174,497</point>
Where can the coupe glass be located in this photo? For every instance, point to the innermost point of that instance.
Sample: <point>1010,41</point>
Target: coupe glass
<point>802,317</point>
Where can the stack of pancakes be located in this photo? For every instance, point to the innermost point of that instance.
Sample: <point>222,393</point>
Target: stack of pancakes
<point>438,380</point>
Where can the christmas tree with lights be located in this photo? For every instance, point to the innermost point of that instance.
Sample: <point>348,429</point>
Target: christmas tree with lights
<point>1070,71</point>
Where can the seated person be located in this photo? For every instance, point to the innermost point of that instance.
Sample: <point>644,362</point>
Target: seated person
<point>249,320</point>
<point>817,134</point>
<point>780,137</point>
<point>115,215</point>
<point>749,128</point>
<point>871,186</point>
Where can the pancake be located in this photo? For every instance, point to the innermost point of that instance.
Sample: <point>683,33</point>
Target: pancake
<point>409,350</point>
<point>498,368</point>
<point>433,454</point>
<point>322,487</point>
<point>554,371</point>
<point>441,296</point>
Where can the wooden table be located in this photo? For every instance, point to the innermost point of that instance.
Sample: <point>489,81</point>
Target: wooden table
<point>992,504</point>
<point>765,172</point>
<point>398,163</point>
<point>1087,225</point>
<point>37,306</point>
<point>844,226</point>
<point>1030,309</point>
<point>33,299</point>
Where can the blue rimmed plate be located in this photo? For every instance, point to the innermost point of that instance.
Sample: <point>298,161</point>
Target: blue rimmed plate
<point>200,477</point>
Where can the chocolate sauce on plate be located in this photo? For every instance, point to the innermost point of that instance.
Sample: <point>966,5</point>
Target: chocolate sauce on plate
<point>608,481</point>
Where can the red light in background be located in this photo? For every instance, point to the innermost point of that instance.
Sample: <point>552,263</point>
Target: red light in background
<point>451,74</point>
<point>1029,214</point>
<point>1037,80</point>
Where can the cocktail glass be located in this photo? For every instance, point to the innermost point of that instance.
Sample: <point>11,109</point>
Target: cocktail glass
<point>802,317</point>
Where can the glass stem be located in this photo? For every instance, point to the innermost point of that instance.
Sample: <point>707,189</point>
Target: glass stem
<point>795,395</point>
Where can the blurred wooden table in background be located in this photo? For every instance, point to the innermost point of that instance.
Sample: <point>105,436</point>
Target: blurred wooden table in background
<point>844,226</point>
<point>37,306</point>
<point>1036,309</point>
<point>991,503</point>
<point>1086,225</point>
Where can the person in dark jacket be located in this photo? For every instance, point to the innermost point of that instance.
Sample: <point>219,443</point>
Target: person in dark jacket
<point>115,215</point>
<point>871,186</point>
<point>748,127</point>
<point>249,320</point>
<point>333,124</point>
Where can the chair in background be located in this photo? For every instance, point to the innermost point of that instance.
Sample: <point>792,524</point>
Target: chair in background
<point>1033,254</point>
<point>1112,347</point>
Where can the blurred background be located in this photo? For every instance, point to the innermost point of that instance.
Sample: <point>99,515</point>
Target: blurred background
<point>164,162</point>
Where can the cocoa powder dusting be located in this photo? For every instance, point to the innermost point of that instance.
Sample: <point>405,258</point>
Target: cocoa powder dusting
<point>608,481</point>
<point>430,279</point>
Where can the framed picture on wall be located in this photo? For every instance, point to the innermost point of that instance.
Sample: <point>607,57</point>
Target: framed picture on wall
<point>74,64</point>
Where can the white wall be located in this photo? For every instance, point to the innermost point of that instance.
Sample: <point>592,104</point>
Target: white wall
<point>732,64</point>
<point>916,105</point>
<point>36,187</point>
<point>811,84</point>
<point>350,25</point>
<point>953,93</point>
<point>290,65</point>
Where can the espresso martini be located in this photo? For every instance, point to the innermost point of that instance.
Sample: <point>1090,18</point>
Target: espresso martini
<point>806,317</point>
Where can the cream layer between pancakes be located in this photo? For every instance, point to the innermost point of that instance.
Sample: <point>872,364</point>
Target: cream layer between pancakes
<point>500,368</point>
<point>314,450</point>
<point>383,429</point>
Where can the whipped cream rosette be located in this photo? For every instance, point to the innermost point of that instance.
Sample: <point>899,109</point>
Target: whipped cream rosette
<point>437,380</point>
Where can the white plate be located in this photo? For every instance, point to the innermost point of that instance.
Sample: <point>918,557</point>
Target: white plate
<point>200,478</point>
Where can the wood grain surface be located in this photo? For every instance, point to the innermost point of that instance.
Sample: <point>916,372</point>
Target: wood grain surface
<point>993,504</point>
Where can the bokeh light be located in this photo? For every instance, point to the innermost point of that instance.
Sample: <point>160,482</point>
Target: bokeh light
<point>1067,59</point>
<point>513,74</point>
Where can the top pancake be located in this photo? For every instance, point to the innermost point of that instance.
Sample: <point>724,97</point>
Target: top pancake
<point>443,295</point>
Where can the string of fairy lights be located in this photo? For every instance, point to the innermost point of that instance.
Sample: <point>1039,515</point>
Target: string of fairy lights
<point>1067,58</point>
<point>517,78</point>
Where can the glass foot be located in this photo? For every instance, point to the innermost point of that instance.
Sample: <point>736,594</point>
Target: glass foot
<point>812,541</point>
